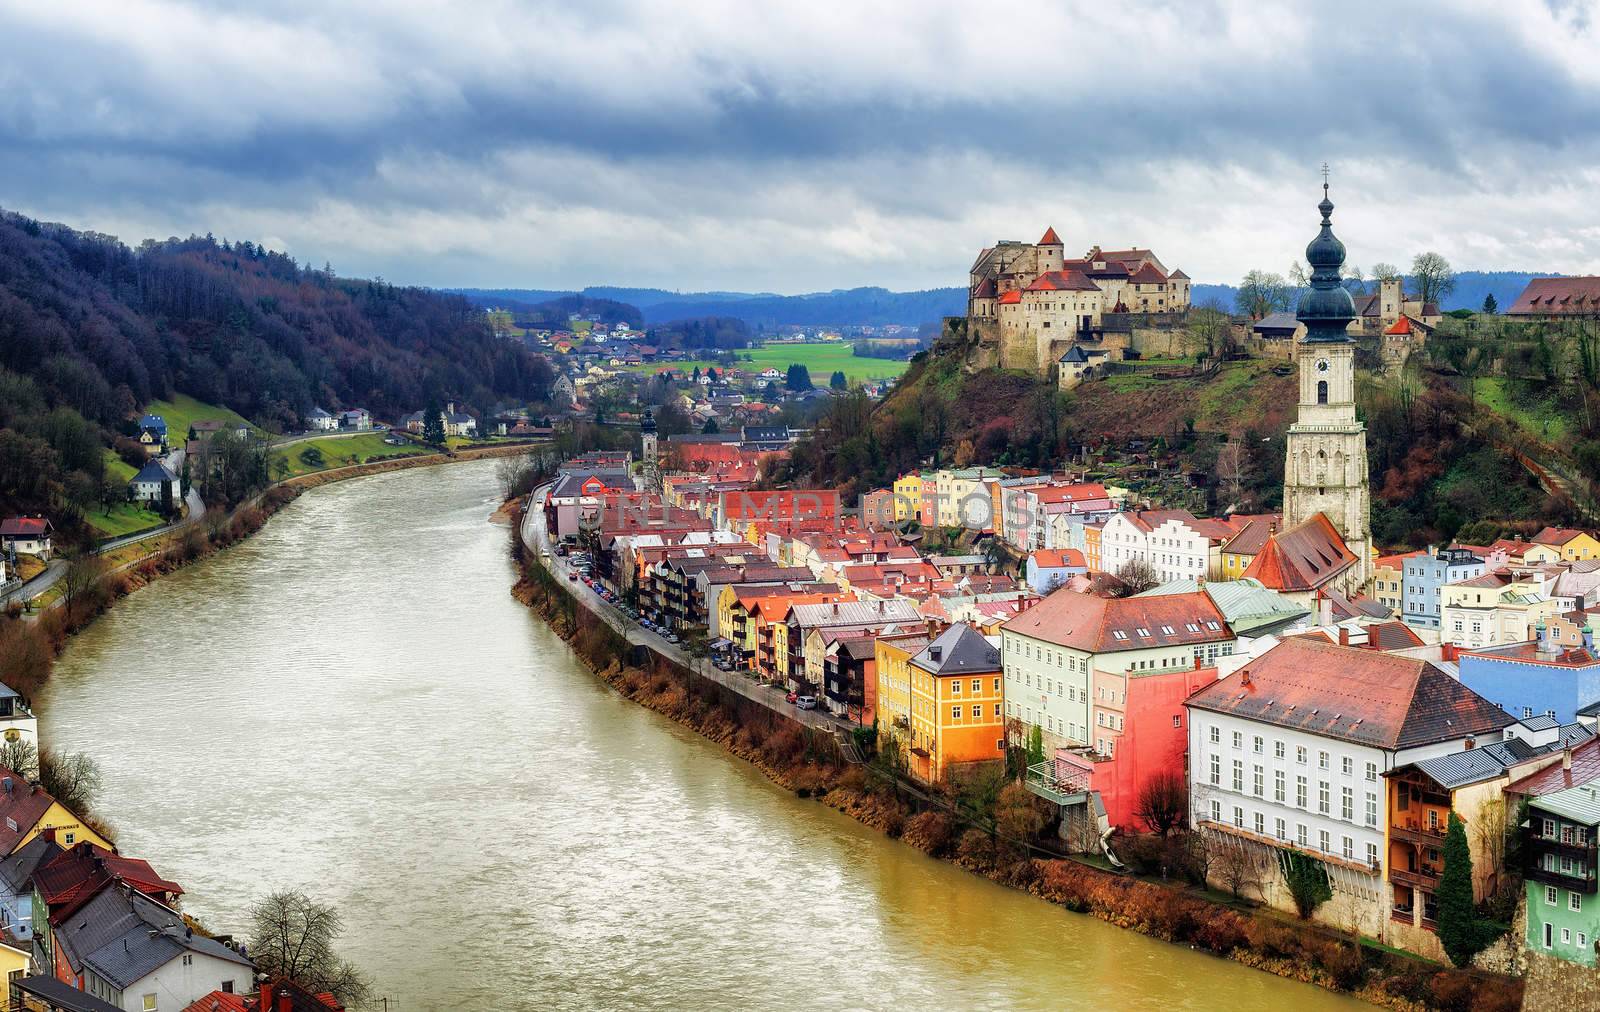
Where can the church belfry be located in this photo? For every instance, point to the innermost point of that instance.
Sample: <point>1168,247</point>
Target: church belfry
<point>1325,470</point>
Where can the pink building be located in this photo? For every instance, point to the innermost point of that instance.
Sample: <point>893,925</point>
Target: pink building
<point>1151,734</point>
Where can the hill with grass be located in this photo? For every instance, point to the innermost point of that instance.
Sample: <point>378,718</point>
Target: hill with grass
<point>93,333</point>
<point>1491,428</point>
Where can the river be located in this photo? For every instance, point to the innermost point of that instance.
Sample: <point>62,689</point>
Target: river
<point>350,703</point>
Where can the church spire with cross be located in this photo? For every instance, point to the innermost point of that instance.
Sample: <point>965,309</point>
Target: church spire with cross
<point>1327,308</point>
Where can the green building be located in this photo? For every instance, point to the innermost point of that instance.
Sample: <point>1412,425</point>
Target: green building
<point>1560,843</point>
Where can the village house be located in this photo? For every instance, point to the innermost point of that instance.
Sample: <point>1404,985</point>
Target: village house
<point>1502,606</point>
<point>1287,755</point>
<point>355,418</point>
<point>1049,568</point>
<point>319,420</point>
<point>1538,677</point>
<point>1426,574</point>
<point>155,483</point>
<point>26,536</point>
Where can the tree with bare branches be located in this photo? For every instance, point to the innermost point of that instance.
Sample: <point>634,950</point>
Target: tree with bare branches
<point>292,936</point>
<point>1137,576</point>
<point>1237,868</point>
<point>1163,802</point>
<point>82,574</point>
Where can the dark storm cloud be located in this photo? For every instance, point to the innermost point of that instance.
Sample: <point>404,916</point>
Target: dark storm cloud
<point>807,146</point>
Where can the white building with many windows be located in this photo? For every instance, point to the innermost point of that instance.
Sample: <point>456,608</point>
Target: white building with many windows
<point>1175,543</point>
<point>1288,753</point>
<point>1052,651</point>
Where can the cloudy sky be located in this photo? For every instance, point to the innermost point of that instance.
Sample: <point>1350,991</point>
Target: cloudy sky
<point>703,144</point>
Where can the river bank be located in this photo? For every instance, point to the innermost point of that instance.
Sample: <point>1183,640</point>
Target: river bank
<point>810,764</point>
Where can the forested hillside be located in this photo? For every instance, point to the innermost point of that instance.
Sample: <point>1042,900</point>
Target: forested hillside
<point>92,331</point>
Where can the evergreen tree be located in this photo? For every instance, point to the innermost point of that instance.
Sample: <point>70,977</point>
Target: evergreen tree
<point>710,428</point>
<point>1307,881</point>
<point>1461,932</point>
<point>433,423</point>
<point>837,381</point>
<point>1490,306</point>
<point>798,377</point>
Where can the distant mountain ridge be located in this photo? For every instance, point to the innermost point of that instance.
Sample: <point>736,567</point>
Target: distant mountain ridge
<point>871,306</point>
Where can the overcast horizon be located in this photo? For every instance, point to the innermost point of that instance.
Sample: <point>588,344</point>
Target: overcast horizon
<point>796,149</point>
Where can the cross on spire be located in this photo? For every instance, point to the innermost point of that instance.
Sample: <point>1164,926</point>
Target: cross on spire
<point>1324,177</point>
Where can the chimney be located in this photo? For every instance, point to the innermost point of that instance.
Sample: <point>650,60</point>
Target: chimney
<point>1244,676</point>
<point>1566,759</point>
<point>1344,636</point>
<point>1324,609</point>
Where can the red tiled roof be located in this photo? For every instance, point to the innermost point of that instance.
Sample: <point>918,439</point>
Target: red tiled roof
<point>1149,520</point>
<point>1069,493</point>
<point>1557,296</point>
<point>1010,298</point>
<point>1585,769</point>
<point>1398,560</point>
<point>1050,238</point>
<point>1148,275</point>
<point>1304,557</point>
<point>1050,558</point>
<point>984,289</point>
<point>1062,281</point>
<point>26,527</point>
<point>1362,696</point>
<point>1253,533</point>
<point>1107,625</point>
<point>1400,326</point>
<point>74,877</point>
<point>1555,537</point>
<point>1178,273</point>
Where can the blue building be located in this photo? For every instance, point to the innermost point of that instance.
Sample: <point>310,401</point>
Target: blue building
<point>1539,678</point>
<point>1425,574</point>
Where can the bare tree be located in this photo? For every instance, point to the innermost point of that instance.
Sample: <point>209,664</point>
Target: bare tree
<point>1382,271</point>
<point>292,936</point>
<point>80,578</point>
<point>1215,329</point>
<point>1138,576</point>
<point>72,778</point>
<point>1490,826</point>
<point>1298,275</point>
<point>1163,802</point>
<point>1262,293</point>
<point>1237,868</point>
<point>20,757</point>
<point>1233,469</point>
<point>1433,277</point>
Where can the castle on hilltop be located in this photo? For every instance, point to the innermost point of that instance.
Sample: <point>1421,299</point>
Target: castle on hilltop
<point>1031,291</point>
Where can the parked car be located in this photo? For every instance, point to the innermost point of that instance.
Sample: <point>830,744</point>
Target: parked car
<point>806,702</point>
<point>791,697</point>
<point>573,577</point>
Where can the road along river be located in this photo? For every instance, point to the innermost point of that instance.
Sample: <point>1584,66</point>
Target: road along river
<point>351,703</point>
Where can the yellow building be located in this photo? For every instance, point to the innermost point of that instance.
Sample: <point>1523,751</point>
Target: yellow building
<point>908,497</point>
<point>1091,547</point>
<point>957,704</point>
<point>1570,545</point>
<point>891,667</point>
<point>1388,579</point>
<point>28,811</point>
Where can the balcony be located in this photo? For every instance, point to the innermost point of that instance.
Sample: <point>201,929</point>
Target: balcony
<point>1418,834</point>
<point>1042,780</point>
<point>1426,879</point>
<point>1577,881</point>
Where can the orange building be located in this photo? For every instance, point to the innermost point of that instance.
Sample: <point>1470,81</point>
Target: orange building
<point>957,704</point>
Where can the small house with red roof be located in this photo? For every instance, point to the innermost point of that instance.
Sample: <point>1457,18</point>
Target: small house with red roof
<point>26,536</point>
<point>1050,568</point>
<point>1304,561</point>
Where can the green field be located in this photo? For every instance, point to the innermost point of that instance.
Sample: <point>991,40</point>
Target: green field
<point>123,518</point>
<point>1540,418</point>
<point>822,360</point>
<point>117,468</point>
<point>338,451</point>
<point>183,411</point>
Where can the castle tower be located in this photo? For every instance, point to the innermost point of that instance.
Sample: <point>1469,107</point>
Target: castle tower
<point>647,452</point>
<point>1326,466</point>
<point>1052,257</point>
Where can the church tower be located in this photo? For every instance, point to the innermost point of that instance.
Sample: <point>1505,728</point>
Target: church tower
<point>647,452</point>
<point>1326,467</point>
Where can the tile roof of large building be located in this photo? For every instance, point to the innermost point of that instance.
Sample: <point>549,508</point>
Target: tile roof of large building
<point>1558,296</point>
<point>125,936</point>
<point>1303,558</point>
<point>1062,281</point>
<point>1365,697</point>
<point>1108,625</point>
<point>1583,767</point>
<point>1050,238</point>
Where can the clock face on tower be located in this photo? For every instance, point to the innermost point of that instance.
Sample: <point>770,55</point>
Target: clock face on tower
<point>1322,365</point>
